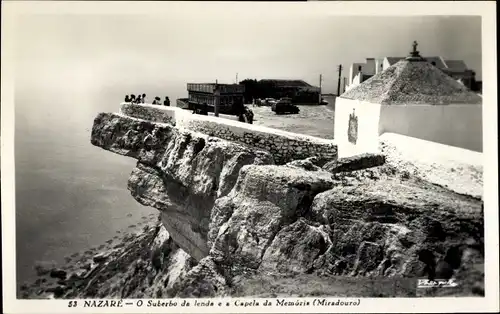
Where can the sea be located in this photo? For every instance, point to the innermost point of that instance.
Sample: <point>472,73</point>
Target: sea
<point>70,195</point>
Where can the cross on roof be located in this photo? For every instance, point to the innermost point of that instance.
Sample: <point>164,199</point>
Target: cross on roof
<point>415,54</point>
<point>415,44</point>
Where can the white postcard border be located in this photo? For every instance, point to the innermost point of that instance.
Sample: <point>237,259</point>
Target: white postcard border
<point>486,9</point>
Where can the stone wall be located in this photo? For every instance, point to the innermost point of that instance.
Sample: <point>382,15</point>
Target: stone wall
<point>284,146</point>
<point>283,149</point>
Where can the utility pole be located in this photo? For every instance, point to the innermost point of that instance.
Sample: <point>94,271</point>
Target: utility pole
<point>217,99</point>
<point>339,69</point>
<point>320,81</point>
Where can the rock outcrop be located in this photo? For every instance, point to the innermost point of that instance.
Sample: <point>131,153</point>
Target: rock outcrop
<point>181,173</point>
<point>354,163</point>
<point>232,220</point>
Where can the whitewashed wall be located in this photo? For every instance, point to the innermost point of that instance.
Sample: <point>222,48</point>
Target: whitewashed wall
<point>370,67</point>
<point>454,125</point>
<point>379,65</point>
<point>284,146</point>
<point>368,124</point>
<point>354,70</point>
<point>386,64</point>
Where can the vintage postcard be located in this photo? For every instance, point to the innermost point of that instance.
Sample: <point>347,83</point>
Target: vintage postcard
<point>230,157</point>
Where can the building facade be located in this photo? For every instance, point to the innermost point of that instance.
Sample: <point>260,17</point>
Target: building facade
<point>417,100</point>
<point>230,96</point>
<point>299,91</point>
<point>457,69</point>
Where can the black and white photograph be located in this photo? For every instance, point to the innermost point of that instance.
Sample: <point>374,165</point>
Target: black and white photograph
<point>228,157</point>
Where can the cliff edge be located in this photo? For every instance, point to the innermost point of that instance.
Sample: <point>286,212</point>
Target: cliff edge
<point>233,223</point>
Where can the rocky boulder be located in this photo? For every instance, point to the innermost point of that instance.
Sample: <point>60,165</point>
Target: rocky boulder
<point>240,216</point>
<point>402,225</point>
<point>181,173</point>
<point>264,199</point>
<point>357,162</point>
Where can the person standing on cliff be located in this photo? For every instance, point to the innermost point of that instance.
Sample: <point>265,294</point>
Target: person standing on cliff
<point>127,99</point>
<point>132,98</point>
<point>139,100</point>
<point>143,98</point>
<point>166,102</point>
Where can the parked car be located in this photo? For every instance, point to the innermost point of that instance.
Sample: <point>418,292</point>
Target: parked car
<point>270,101</point>
<point>284,105</point>
<point>261,102</point>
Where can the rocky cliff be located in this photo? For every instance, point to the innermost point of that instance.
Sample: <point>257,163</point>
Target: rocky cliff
<point>232,223</point>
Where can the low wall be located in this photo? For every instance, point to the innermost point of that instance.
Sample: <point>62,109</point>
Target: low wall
<point>149,112</point>
<point>454,125</point>
<point>458,169</point>
<point>284,146</point>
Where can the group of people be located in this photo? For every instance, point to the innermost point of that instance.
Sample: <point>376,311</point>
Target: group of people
<point>135,100</point>
<point>244,115</point>
<point>157,101</point>
<point>141,99</point>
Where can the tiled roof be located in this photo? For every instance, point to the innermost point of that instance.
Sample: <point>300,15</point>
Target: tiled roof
<point>287,83</point>
<point>456,65</point>
<point>366,76</point>
<point>437,62</point>
<point>409,82</point>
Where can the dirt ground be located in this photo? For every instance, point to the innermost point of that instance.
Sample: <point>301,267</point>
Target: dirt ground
<point>311,120</point>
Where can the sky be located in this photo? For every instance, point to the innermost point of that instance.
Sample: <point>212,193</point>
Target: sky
<point>163,52</point>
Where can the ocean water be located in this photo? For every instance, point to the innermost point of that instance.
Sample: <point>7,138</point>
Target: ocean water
<point>70,195</point>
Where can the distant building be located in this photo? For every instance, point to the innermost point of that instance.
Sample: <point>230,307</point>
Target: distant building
<point>457,69</point>
<point>413,98</point>
<point>231,96</point>
<point>299,90</point>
